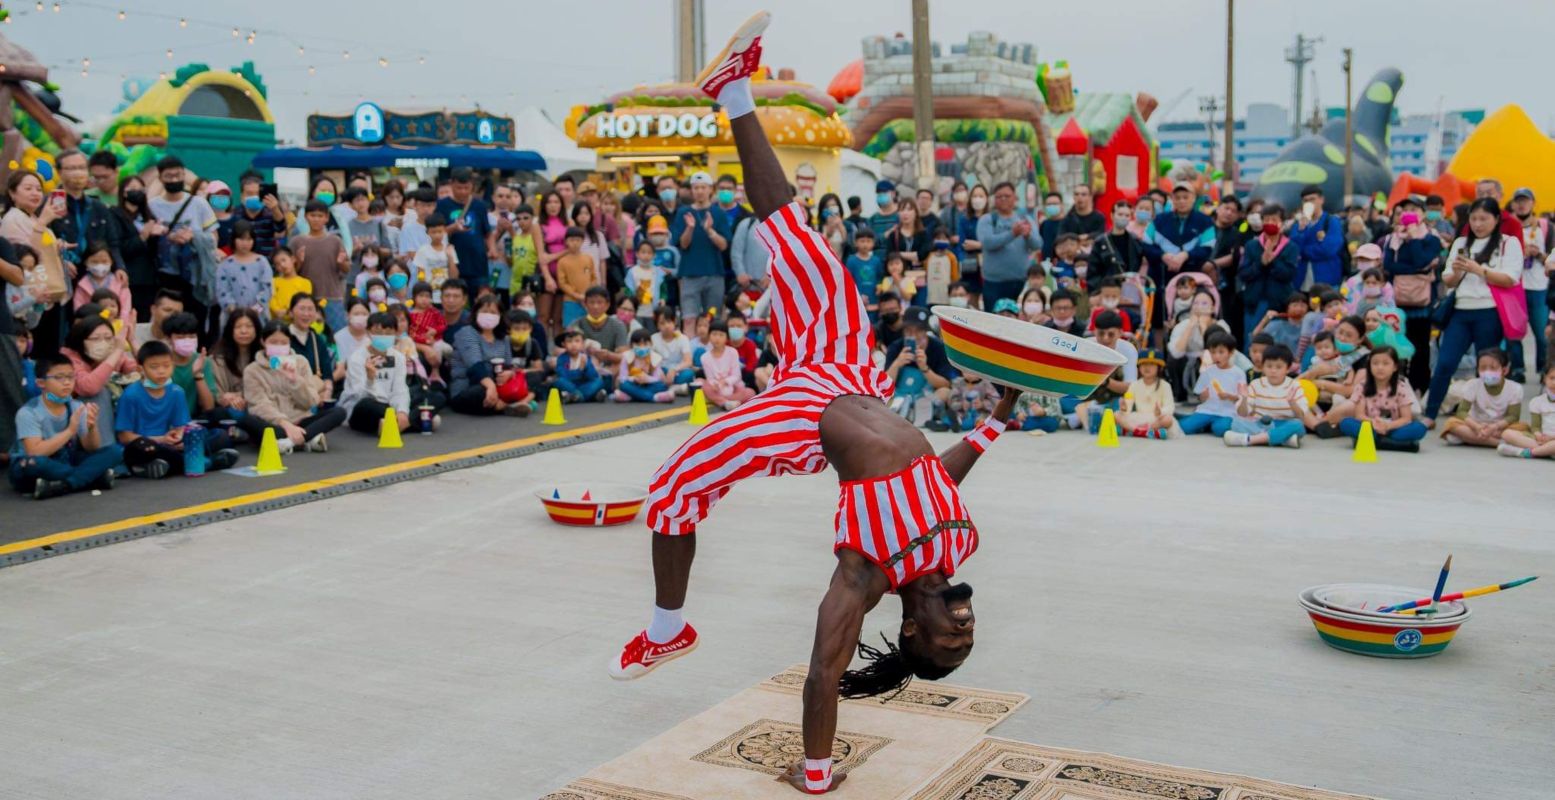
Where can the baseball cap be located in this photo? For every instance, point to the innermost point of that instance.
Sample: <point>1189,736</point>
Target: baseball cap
<point>1369,251</point>
<point>916,316</point>
<point>657,224</point>
<point>700,178</point>
<point>221,187</point>
<point>1006,306</point>
<point>586,187</point>
<point>1185,185</point>
<point>1151,356</point>
<point>885,186</point>
<point>1522,192</point>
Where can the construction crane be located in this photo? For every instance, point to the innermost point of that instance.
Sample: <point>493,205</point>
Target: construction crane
<point>1165,110</point>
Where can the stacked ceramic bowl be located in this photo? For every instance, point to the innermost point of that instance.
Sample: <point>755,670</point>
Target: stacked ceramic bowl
<point>1345,615</point>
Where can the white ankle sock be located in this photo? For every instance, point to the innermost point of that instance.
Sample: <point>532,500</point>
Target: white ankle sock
<point>665,626</point>
<point>736,98</point>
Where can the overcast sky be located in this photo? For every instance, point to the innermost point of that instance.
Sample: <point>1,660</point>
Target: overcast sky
<point>507,54</point>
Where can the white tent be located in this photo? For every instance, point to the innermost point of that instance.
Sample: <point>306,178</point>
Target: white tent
<point>533,130</point>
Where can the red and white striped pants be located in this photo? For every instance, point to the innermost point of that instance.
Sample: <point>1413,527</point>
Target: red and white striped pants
<point>824,340</point>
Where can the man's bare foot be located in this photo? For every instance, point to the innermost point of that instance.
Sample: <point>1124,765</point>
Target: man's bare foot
<point>795,777</point>
<point>739,58</point>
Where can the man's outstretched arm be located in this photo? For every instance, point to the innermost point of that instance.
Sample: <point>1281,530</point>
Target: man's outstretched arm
<point>958,460</point>
<point>837,627</point>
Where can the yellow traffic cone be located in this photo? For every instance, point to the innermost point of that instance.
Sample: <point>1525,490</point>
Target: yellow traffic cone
<point>553,409</point>
<point>698,409</point>
<point>389,432</point>
<point>1107,435</point>
<point>269,455</point>
<point>1365,446</point>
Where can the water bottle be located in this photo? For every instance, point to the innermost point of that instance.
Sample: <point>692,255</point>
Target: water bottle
<point>194,450</point>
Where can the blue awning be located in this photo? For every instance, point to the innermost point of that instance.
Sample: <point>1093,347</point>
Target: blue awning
<point>342,157</point>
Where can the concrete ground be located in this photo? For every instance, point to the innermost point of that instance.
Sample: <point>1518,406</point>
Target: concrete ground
<point>439,638</point>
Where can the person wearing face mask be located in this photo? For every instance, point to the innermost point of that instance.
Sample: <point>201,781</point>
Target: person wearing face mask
<point>1119,252</point>
<point>482,364</point>
<point>1050,215</point>
<point>354,336</point>
<point>85,219</point>
<point>952,215</point>
<point>1488,405</point>
<point>889,331</point>
<point>969,251</point>
<point>139,235</point>
<point>61,445</point>
<point>1410,256</point>
<point>281,391</point>
<point>667,190</point>
<point>376,379</point>
<point>726,198</point>
<point>642,378</point>
<point>262,211</point>
<point>187,253</point>
<point>1269,269</point>
<point>1062,314</point>
<point>151,418</point>
<point>192,371</point>
<point>103,366</point>
<point>1538,243</point>
<point>219,195</point>
<point>1438,221</point>
<point>101,274</point>
<point>886,218</point>
<point>1033,307</point>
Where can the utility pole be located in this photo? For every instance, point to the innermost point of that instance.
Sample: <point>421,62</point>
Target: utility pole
<point>923,93</point>
<point>689,44</point>
<point>1298,57</point>
<point>1349,130</point>
<point>1230,145</point>
<point>1208,105</point>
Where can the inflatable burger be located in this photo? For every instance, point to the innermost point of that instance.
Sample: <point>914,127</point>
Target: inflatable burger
<point>678,115</point>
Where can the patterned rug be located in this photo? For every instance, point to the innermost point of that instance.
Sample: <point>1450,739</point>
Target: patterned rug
<point>1000,769</point>
<point>927,743</point>
<point>713,755</point>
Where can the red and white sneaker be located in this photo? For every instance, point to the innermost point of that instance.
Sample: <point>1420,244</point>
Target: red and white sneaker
<point>739,59</point>
<point>641,656</point>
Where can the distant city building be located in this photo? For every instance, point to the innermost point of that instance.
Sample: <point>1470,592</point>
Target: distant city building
<point>1264,130</point>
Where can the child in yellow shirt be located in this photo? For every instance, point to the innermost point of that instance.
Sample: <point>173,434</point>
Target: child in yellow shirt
<point>1147,409</point>
<point>287,283</point>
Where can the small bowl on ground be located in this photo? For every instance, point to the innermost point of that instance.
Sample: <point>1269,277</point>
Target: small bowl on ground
<point>1029,357</point>
<point>1381,635</point>
<point>592,505</point>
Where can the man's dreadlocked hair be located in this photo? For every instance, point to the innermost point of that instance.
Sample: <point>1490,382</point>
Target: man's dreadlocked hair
<point>888,670</point>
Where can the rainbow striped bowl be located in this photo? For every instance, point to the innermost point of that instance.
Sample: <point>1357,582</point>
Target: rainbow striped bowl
<point>592,505</point>
<point>1016,353</point>
<point>1346,626</point>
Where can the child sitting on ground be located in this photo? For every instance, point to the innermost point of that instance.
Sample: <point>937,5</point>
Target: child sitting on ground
<point>674,349</point>
<point>376,379</point>
<point>59,447</point>
<point>576,377</point>
<point>642,377</point>
<point>1488,405</point>
<point>427,324</point>
<point>1330,309</point>
<point>1539,441</point>
<point>1038,413</point>
<point>1147,409</point>
<point>151,416</point>
<point>971,401</point>
<point>1384,398</point>
<point>1284,325</point>
<point>722,381</point>
<point>1338,379</point>
<point>1217,388</point>
<point>1273,409</point>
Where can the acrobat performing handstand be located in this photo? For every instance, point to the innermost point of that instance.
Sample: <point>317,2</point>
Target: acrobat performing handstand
<point>901,525</point>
